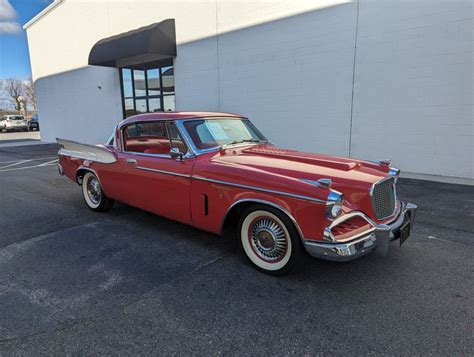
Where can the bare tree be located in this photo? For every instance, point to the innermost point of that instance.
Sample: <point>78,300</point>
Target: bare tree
<point>15,90</point>
<point>30,94</point>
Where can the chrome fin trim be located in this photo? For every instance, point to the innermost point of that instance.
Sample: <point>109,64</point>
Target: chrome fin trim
<point>85,151</point>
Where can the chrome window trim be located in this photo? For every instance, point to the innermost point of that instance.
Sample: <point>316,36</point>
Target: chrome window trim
<point>254,188</point>
<point>257,200</point>
<point>111,139</point>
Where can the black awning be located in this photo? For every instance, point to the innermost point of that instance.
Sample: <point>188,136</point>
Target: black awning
<point>141,48</point>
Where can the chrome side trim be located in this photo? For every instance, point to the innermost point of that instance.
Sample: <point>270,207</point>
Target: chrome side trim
<point>256,200</point>
<point>163,156</point>
<point>287,194</point>
<point>162,172</point>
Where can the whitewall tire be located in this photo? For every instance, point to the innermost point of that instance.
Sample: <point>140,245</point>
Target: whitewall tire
<point>94,195</point>
<point>269,239</point>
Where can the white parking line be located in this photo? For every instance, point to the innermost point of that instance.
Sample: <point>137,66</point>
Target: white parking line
<point>51,163</point>
<point>47,163</point>
<point>35,159</point>
<point>15,164</point>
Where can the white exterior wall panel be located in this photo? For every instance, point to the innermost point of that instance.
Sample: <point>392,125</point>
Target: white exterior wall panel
<point>293,76</point>
<point>289,66</point>
<point>413,98</point>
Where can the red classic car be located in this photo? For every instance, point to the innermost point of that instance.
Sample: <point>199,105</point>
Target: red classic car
<point>216,171</point>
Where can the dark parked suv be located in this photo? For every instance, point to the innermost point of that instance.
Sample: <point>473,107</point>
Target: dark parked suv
<point>33,124</point>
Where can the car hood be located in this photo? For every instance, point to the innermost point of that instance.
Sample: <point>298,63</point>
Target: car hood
<point>278,168</point>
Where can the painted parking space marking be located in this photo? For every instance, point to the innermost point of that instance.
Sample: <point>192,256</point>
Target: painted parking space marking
<point>20,165</point>
<point>35,159</point>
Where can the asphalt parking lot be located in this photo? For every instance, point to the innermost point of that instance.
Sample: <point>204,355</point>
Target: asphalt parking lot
<point>127,282</point>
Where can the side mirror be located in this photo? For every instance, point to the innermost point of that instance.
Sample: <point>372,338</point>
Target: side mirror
<point>176,154</point>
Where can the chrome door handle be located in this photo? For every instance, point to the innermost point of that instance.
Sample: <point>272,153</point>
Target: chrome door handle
<point>131,161</point>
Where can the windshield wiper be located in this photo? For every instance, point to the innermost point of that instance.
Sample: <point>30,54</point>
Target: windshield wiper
<point>244,141</point>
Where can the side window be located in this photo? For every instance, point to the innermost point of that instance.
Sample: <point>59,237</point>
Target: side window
<point>147,137</point>
<point>175,139</point>
<point>152,137</point>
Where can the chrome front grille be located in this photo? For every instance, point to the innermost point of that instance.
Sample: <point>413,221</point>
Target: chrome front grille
<point>383,198</point>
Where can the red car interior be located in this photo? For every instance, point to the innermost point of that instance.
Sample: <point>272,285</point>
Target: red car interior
<point>152,145</point>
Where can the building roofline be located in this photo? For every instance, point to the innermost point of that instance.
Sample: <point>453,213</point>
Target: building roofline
<point>44,12</point>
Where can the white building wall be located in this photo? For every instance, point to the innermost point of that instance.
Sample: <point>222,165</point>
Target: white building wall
<point>292,76</point>
<point>70,103</point>
<point>413,94</point>
<point>289,66</point>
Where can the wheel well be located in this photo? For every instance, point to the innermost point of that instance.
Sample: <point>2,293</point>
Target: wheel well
<point>233,216</point>
<point>80,175</point>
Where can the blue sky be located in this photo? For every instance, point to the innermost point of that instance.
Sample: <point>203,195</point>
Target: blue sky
<point>14,57</point>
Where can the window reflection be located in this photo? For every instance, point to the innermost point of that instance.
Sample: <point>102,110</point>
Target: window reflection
<point>150,90</point>
<point>168,80</point>
<point>154,105</point>
<point>129,107</point>
<point>140,106</point>
<point>127,83</point>
<point>153,78</point>
<point>139,83</point>
<point>168,103</point>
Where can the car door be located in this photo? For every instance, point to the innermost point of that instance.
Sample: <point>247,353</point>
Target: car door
<point>155,181</point>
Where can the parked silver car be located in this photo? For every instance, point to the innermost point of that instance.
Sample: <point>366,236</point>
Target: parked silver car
<point>13,122</point>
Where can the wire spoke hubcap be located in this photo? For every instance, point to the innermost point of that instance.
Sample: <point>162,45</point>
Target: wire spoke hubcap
<point>268,239</point>
<point>94,191</point>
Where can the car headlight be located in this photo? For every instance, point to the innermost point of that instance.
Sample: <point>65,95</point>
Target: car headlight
<point>334,204</point>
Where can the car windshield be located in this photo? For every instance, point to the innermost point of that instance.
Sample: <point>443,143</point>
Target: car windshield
<point>17,118</point>
<point>212,133</point>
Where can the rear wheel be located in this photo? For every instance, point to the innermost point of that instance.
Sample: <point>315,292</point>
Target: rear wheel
<point>269,239</point>
<point>94,196</point>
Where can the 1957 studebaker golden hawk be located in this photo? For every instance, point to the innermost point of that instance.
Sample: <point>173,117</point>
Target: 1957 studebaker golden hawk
<point>217,171</point>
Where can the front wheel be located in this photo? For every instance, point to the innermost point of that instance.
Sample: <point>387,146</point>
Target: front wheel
<point>94,196</point>
<point>269,239</point>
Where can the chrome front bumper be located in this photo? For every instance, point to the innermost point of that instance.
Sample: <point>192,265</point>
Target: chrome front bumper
<point>378,240</point>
